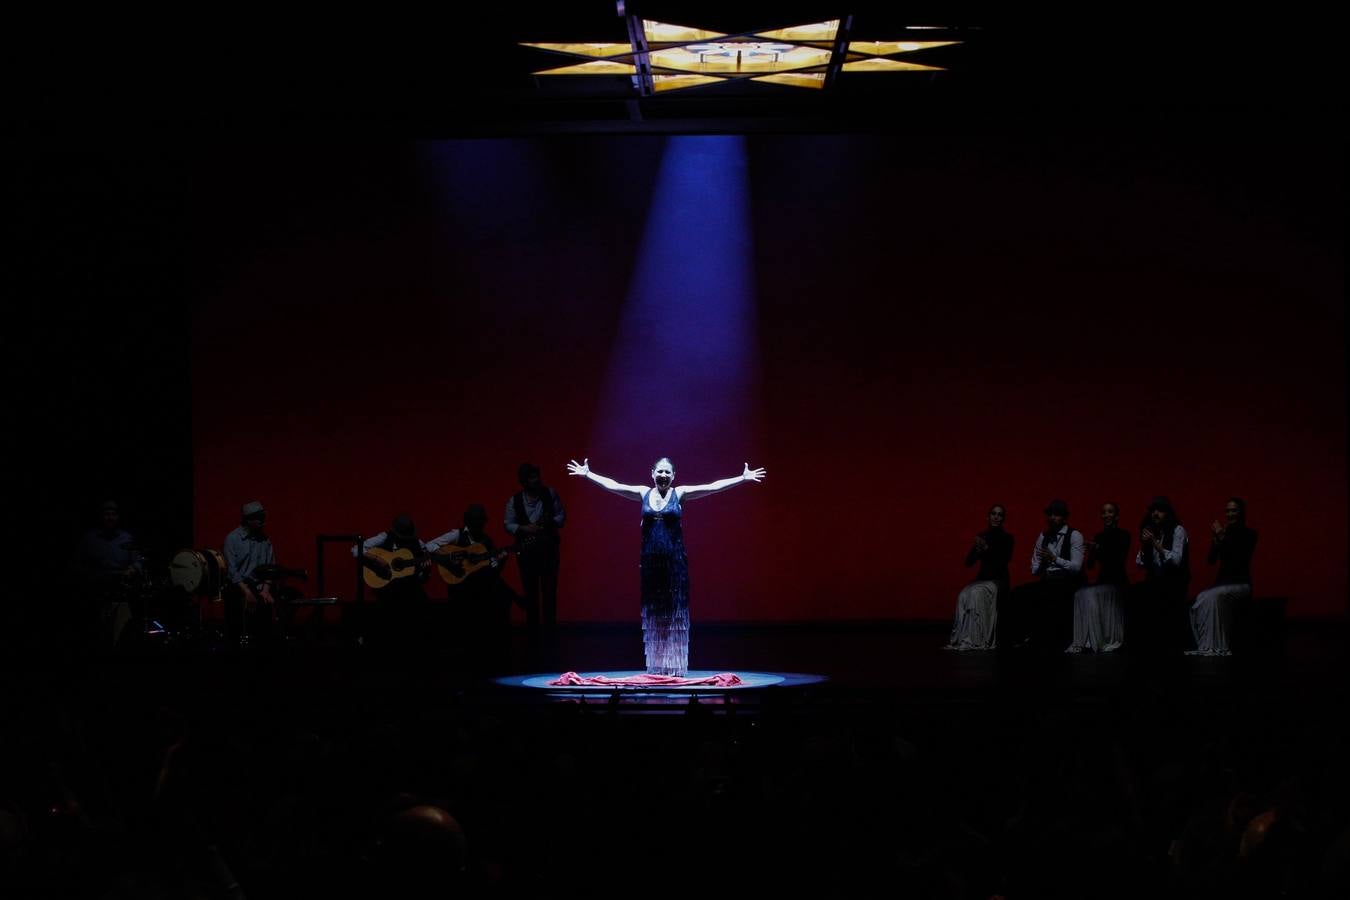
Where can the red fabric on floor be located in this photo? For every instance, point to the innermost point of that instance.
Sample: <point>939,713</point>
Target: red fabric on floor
<point>572,679</point>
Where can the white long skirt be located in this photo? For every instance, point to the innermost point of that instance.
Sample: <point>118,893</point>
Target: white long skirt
<point>1212,618</point>
<point>976,624</point>
<point>1098,619</point>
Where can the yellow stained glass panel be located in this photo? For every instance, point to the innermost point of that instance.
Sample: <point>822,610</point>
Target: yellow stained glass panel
<point>795,79</point>
<point>738,58</point>
<point>675,82</point>
<point>658,32</point>
<point>888,65</point>
<point>585,49</point>
<point>818,31</point>
<point>599,67</point>
<point>888,48</point>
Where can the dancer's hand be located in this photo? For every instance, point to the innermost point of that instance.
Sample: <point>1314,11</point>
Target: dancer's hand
<point>752,474</point>
<point>583,468</point>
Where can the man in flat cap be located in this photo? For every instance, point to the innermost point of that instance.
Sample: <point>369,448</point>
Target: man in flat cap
<point>250,606</point>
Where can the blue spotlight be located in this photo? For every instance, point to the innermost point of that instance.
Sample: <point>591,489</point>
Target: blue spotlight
<point>683,368</point>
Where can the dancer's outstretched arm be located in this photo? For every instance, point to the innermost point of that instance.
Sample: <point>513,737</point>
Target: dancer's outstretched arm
<point>583,469</point>
<point>693,491</point>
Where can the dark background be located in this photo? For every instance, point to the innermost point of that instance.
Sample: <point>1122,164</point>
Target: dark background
<point>943,322</point>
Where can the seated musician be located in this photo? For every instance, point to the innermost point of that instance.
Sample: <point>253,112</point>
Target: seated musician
<point>250,609</point>
<point>402,599</point>
<point>482,601</point>
<point>108,558</point>
<point>1040,612</point>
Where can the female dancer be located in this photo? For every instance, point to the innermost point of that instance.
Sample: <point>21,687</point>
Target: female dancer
<point>665,570</point>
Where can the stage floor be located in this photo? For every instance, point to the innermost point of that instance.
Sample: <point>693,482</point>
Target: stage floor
<point>909,658</point>
<point>897,662</point>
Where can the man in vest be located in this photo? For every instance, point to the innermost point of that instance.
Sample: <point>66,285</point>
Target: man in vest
<point>533,517</point>
<point>1041,612</point>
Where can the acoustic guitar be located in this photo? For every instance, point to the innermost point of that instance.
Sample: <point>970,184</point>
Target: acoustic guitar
<point>398,564</point>
<point>458,563</point>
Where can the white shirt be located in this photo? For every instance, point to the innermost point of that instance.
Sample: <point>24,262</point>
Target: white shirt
<point>377,540</point>
<point>1171,556</point>
<point>1074,562</point>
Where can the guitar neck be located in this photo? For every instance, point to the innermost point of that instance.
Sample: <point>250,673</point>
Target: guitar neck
<point>467,555</point>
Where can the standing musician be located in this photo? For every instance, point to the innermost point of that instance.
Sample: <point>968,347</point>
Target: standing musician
<point>533,517</point>
<point>250,605</point>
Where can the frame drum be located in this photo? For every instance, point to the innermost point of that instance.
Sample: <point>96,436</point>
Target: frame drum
<point>199,572</point>
<point>187,570</point>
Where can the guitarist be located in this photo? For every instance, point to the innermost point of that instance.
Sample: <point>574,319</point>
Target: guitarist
<point>533,517</point>
<point>402,603</point>
<point>482,600</point>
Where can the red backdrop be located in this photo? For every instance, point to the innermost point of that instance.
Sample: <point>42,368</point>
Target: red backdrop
<point>943,323</point>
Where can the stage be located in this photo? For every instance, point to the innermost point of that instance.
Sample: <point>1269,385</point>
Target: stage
<point>897,661</point>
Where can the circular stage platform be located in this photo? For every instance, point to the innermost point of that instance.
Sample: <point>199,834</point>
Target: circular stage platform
<point>749,681</point>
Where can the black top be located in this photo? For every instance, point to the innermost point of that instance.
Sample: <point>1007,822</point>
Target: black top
<point>1113,547</point>
<point>1234,555</point>
<point>994,560</point>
